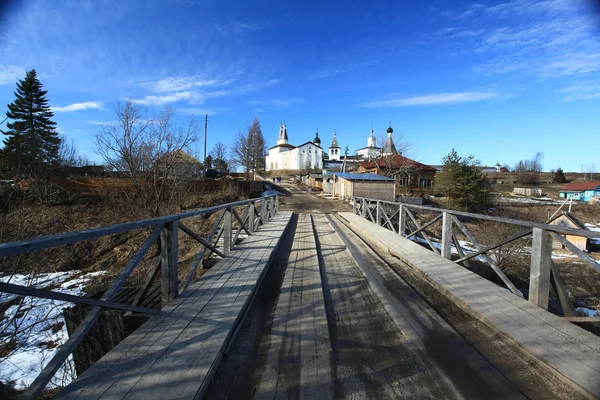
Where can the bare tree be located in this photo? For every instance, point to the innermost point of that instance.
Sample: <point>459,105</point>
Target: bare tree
<point>68,156</point>
<point>249,149</point>
<point>152,153</point>
<point>219,156</point>
<point>532,165</point>
<point>394,164</point>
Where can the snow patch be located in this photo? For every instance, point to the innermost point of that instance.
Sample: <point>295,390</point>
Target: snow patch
<point>270,191</point>
<point>589,312</point>
<point>37,327</point>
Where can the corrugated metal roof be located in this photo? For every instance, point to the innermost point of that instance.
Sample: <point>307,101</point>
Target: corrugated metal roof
<point>361,177</point>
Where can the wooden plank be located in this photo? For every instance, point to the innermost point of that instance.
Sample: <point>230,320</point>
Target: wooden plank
<point>570,352</point>
<point>563,296</point>
<point>29,245</point>
<point>169,249</point>
<point>427,225</point>
<point>494,246</point>
<point>460,252</point>
<point>530,224</point>
<point>242,221</point>
<point>147,282</point>
<point>447,236</point>
<point>203,311</point>
<point>299,345</point>
<point>425,236</point>
<point>539,271</point>
<point>487,259</point>
<point>198,259</point>
<point>48,294</point>
<point>75,338</point>
<point>199,239</point>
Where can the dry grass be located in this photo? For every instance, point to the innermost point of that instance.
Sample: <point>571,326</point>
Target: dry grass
<point>95,202</point>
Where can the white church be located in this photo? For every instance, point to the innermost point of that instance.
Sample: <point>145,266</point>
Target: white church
<point>310,155</point>
<point>286,156</point>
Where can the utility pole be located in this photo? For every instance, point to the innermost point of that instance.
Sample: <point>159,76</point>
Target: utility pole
<point>345,157</point>
<point>205,129</point>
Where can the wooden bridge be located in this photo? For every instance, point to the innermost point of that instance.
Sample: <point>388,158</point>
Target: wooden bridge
<point>334,305</point>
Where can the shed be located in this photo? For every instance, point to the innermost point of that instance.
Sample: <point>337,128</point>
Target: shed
<point>567,220</point>
<point>584,191</point>
<point>531,192</point>
<point>347,185</point>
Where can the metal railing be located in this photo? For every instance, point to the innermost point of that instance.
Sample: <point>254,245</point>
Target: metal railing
<point>400,219</point>
<point>257,212</point>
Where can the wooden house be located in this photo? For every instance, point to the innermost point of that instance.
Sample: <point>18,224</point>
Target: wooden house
<point>411,176</point>
<point>584,191</point>
<point>347,185</point>
<point>567,220</point>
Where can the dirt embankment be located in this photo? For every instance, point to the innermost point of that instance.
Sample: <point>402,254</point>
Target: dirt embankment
<point>89,203</point>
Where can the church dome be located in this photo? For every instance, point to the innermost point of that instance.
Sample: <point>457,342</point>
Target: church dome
<point>316,140</point>
<point>390,130</point>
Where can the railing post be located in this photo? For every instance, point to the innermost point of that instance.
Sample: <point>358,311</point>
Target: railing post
<point>378,213</point>
<point>227,231</point>
<point>271,207</point>
<point>354,205</point>
<point>401,221</point>
<point>263,212</point>
<point>251,217</point>
<point>446,236</point>
<point>168,261</point>
<point>276,203</point>
<point>363,211</point>
<point>541,266</point>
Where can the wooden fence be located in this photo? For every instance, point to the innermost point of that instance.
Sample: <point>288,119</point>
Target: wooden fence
<point>228,226</point>
<point>400,219</point>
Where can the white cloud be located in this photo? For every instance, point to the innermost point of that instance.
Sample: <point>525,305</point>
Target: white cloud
<point>542,38</point>
<point>11,74</point>
<point>203,111</point>
<point>238,26</point>
<point>585,90</point>
<point>275,102</point>
<point>94,122</point>
<point>340,69</point>
<point>433,99</point>
<point>181,83</point>
<point>79,106</point>
<point>164,99</point>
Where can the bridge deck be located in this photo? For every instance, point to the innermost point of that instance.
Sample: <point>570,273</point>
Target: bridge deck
<point>175,353</point>
<point>298,355</point>
<point>571,352</point>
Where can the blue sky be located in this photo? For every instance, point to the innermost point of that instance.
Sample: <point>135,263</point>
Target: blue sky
<point>500,80</point>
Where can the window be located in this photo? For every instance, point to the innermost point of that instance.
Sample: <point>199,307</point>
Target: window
<point>310,149</point>
<point>271,166</point>
<point>425,183</point>
<point>404,180</point>
<point>275,165</point>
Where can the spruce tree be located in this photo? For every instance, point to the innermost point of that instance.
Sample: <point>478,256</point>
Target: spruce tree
<point>462,182</point>
<point>559,176</point>
<point>32,144</point>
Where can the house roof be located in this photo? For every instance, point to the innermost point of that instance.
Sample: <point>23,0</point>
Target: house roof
<point>289,146</point>
<point>313,143</point>
<point>396,161</point>
<point>569,216</point>
<point>581,186</point>
<point>180,156</point>
<point>361,177</point>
